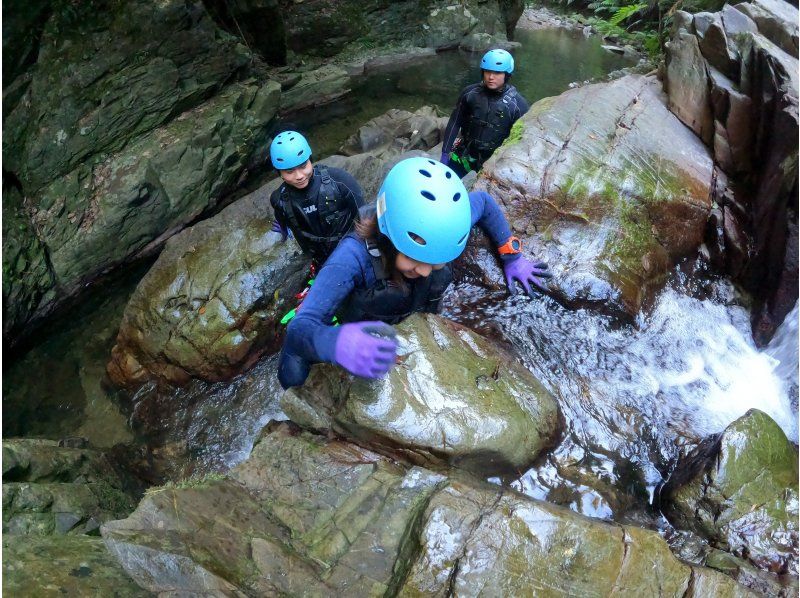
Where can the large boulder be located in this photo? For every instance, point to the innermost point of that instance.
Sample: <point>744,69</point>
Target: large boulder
<point>51,489</point>
<point>397,130</point>
<point>739,490</point>
<point>608,187</point>
<point>308,516</point>
<point>145,129</point>
<point>454,397</point>
<point>212,302</point>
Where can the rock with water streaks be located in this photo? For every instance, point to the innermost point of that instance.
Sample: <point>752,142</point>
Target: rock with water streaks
<point>608,187</point>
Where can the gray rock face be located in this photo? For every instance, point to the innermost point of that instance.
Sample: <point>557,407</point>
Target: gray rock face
<point>732,77</point>
<point>453,398</point>
<point>397,131</point>
<point>740,492</point>
<point>319,518</point>
<point>608,187</point>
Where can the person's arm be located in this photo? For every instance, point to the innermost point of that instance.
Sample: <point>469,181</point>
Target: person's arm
<point>454,125</point>
<point>279,226</point>
<point>363,348</point>
<point>516,267</point>
<point>349,187</point>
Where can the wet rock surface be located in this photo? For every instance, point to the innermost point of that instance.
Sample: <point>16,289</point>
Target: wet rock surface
<point>740,492</point>
<point>608,187</point>
<point>307,515</point>
<point>454,398</point>
<point>50,489</point>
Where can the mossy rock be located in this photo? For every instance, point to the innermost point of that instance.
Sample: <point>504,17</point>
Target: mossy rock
<point>740,491</point>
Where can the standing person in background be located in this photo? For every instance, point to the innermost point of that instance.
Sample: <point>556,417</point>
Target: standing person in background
<point>395,263</point>
<point>483,115</point>
<point>317,203</point>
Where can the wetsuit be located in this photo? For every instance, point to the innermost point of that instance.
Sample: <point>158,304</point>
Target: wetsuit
<point>349,270</point>
<point>484,119</point>
<point>320,214</point>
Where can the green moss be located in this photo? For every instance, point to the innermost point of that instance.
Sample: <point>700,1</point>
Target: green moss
<point>516,133</point>
<point>190,482</point>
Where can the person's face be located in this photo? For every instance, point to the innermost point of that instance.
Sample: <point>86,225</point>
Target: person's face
<point>411,268</point>
<point>494,79</point>
<point>299,176</point>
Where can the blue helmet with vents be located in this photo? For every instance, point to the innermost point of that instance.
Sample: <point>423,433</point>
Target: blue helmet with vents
<point>498,60</point>
<point>289,149</point>
<point>424,209</point>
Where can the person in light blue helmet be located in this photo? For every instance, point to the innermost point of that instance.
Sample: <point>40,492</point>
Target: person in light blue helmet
<point>483,116</point>
<point>317,203</point>
<point>395,263</point>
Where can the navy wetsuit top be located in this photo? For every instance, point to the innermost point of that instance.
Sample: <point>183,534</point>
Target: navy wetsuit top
<point>310,338</point>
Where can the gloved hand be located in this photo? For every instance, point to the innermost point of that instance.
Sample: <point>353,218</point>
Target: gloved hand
<point>277,227</point>
<point>527,273</point>
<point>445,159</point>
<point>366,349</point>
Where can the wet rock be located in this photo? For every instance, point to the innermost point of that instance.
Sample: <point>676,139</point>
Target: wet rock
<point>740,491</point>
<point>49,489</point>
<point>741,97</point>
<point>759,581</point>
<point>65,565</point>
<point>317,517</point>
<point>212,302</point>
<point>608,187</point>
<point>454,397</point>
<point>139,137</point>
<point>397,131</point>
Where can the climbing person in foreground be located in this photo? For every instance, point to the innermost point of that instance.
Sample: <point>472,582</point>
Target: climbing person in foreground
<point>317,203</point>
<point>483,115</point>
<point>393,264</point>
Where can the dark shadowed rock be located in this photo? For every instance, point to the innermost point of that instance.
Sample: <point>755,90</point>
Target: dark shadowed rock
<point>606,186</point>
<point>454,397</point>
<point>739,490</point>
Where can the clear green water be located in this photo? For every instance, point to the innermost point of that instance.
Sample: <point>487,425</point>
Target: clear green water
<point>57,389</point>
<point>546,63</point>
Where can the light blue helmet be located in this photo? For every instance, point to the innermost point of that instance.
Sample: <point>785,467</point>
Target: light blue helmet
<point>498,60</point>
<point>424,209</point>
<point>289,149</point>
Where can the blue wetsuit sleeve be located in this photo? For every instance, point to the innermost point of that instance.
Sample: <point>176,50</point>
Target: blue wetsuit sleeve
<point>455,123</point>
<point>522,105</point>
<point>488,215</point>
<point>310,338</point>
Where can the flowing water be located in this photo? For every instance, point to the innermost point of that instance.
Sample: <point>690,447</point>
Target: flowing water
<point>634,397</point>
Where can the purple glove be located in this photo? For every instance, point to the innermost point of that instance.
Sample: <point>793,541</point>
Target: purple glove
<point>277,227</point>
<point>526,273</point>
<point>366,349</point>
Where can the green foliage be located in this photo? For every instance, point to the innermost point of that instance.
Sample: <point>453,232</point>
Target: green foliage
<point>625,12</point>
